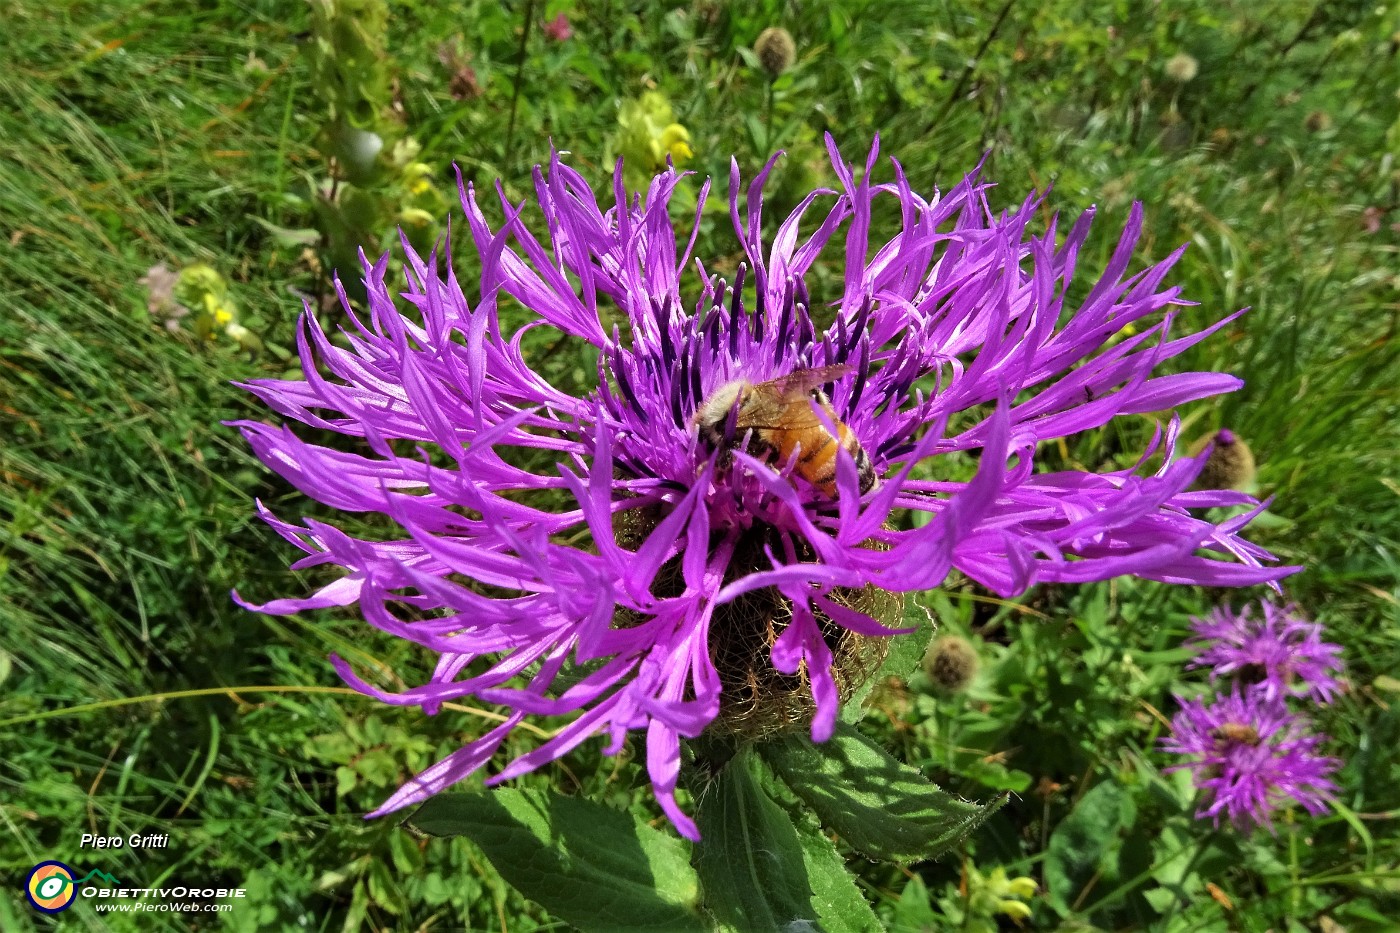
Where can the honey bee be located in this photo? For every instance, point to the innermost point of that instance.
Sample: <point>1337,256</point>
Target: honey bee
<point>781,413</point>
<point>1236,732</point>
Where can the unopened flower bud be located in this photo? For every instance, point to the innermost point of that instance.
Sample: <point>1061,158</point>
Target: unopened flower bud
<point>951,663</point>
<point>1231,464</point>
<point>775,49</point>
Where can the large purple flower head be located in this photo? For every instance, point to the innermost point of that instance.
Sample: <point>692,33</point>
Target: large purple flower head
<point>756,465</point>
<point>1252,756</point>
<point>1273,646</point>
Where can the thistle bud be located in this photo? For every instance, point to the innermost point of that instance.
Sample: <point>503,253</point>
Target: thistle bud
<point>951,663</point>
<point>1230,466</point>
<point>775,49</point>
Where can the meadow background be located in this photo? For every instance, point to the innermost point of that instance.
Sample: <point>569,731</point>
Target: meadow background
<point>136,698</point>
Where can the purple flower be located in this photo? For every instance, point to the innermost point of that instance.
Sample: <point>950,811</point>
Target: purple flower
<point>1252,757</point>
<point>616,540</point>
<point>1272,646</point>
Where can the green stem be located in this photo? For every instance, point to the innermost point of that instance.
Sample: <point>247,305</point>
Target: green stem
<point>1206,842</point>
<point>767,123</point>
<point>519,80</point>
<point>1295,896</point>
<point>1146,873</point>
<point>971,67</point>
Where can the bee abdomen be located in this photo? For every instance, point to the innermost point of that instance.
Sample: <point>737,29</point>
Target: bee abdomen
<point>818,465</point>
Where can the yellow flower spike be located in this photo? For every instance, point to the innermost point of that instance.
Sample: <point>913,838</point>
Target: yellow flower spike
<point>217,310</point>
<point>202,277</point>
<point>1023,887</point>
<point>1014,909</point>
<point>649,135</point>
<point>1001,893</point>
<point>676,139</point>
<point>200,287</point>
<point>417,177</point>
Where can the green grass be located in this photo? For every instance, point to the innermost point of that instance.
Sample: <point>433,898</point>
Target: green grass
<point>156,134</point>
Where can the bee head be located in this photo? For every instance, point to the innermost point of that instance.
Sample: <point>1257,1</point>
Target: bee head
<point>718,416</point>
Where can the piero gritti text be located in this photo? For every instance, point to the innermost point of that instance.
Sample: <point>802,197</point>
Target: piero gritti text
<point>134,841</point>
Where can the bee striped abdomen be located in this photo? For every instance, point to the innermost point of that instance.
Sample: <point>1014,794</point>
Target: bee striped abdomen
<point>818,457</point>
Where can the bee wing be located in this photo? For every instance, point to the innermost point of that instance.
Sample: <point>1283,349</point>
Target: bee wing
<point>791,406</point>
<point>803,381</point>
<point>765,407</point>
<point>773,412</point>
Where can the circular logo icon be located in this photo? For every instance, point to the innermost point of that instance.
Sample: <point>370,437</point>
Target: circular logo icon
<point>50,887</point>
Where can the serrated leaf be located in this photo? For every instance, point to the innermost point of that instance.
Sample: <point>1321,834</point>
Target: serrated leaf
<point>588,864</point>
<point>758,872</point>
<point>840,905</point>
<point>882,807</point>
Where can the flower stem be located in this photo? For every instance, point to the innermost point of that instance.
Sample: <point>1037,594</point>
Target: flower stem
<point>971,66</point>
<point>1206,842</point>
<point>767,121</point>
<point>519,79</point>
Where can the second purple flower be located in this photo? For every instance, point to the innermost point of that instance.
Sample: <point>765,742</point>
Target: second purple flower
<point>1272,646</point>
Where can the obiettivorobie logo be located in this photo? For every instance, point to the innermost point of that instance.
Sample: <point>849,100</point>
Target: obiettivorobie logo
<point>52,886</point>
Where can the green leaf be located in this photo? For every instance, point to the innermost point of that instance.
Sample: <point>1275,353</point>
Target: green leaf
<point>996,776</point>
<point>1086,842</point>
<point>752,864</point>
<point>287,236</point>
<point>914,909</point>
<point>404,851</point>
<point>384,892</point>
<point>840,905</point>
<point>882,807</point>
<point>588,864</point>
